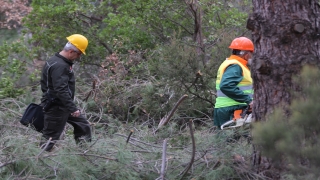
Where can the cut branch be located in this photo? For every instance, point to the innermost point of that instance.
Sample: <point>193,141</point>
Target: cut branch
<point>163,165</point>
<point>166,119</point>
<point>193,150</point>
<point>45,147</point>
<point>128,139</point>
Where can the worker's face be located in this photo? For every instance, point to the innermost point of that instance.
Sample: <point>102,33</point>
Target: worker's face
<point>73,55</point>
<point>248,57</point>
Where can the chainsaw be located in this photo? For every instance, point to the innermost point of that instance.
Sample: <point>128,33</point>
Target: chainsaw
<point>243,117</point>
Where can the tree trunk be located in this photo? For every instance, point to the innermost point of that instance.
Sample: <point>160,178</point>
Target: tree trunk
<point>286,36</point>
<point>196,12</point>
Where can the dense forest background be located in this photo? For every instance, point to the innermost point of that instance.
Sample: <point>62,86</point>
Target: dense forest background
<point>143,56</point>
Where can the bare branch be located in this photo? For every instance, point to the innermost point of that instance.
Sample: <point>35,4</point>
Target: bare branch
<point>45,147</point>
<point>193,150</point>
<point>131,132</point>
<point>166,119</point>
<point>164,155</point>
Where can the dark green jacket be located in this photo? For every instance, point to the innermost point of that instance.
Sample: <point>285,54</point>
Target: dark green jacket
<point>228,85</point>
<point>58,80</point>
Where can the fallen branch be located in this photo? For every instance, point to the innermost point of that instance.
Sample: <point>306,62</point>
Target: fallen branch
<point>164,155</point>
<point>166,119</point>
<point>92,91</point>
<point>91,145</point>
<point>45,147</point>
<point>94,155</point>
<point>128,139</point>
<point>138,141</point>
<point>7,109</point>
<point>53,155</point>
<point>193,150</point>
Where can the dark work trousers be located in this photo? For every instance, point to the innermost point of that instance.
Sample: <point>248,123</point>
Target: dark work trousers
<point>55,120</point>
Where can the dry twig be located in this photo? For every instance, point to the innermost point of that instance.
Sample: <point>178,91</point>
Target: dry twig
<point>128,139</point>
<point>193,150</point>
<point>166,119</point>
<point>138,141</point>
<point>164,155</point>
<point>45,147</point>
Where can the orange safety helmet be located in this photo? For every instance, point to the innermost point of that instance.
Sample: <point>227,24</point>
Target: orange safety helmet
<point>242,43</point>
<point>79,41</point>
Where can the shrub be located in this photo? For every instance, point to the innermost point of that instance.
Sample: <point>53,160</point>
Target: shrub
<point>293,141</point>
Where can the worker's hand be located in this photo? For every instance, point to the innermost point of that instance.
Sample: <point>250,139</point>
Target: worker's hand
<point>76,113</point>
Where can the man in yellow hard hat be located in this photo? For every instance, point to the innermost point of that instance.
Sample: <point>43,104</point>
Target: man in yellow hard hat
<point>58,87</point>
<point>234,82</point>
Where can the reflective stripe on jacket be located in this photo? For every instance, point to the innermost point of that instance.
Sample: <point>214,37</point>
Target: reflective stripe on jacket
<point>245,84</point>
<point>58,79</point>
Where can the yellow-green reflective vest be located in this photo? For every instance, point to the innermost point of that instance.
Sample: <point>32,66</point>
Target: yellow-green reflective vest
<point>245,85</point>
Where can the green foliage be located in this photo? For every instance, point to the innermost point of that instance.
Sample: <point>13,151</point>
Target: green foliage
<point>13,67</point>
<point>223,172</point>
<point>7,35</point>
<point>50,22</point>
<point>158,31</point>
<point>295,140</point>
<point>143,57</point>
<point>129,25</point>
<point>108,156</point>
<point>179,70</point>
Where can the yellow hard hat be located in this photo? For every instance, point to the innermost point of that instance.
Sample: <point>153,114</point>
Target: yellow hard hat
<point>79,41</point>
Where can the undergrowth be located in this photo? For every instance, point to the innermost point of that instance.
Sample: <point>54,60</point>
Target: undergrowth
<point>292,141</point>
<point>112,156</point>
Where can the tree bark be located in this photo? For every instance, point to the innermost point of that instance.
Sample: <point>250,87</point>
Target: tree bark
<point>286,36</point>
<point>196,12</point>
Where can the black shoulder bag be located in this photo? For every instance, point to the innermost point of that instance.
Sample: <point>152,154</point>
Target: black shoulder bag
<point>33,117</point>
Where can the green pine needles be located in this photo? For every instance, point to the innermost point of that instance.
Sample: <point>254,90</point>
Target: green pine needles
<point>293,141</point>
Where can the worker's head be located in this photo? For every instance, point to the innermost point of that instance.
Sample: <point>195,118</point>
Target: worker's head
<point>75,46</point>
<point>242,47</point>
<point>79,41</point>
<point>71,51</point>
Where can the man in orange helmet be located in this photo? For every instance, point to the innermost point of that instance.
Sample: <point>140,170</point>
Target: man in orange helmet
<point>58,87</point>
<point>234,82</point>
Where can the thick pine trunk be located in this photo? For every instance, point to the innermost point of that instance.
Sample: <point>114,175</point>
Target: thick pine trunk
<point>286,35</point>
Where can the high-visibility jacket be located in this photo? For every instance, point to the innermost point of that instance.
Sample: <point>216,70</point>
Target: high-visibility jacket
<point>245,85</point>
